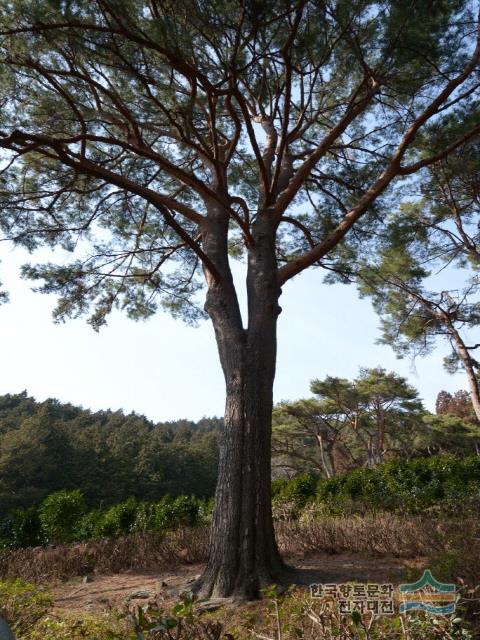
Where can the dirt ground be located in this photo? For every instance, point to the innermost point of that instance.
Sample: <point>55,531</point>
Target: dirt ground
<point>104,592</point>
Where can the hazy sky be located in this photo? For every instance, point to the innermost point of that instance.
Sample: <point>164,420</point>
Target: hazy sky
<point>166,370</point>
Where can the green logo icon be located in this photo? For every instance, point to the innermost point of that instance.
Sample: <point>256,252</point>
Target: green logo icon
<point>427,594</point>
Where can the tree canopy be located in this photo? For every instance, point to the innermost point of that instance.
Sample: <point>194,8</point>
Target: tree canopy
<point>424,278</point>
<point>122,122</point>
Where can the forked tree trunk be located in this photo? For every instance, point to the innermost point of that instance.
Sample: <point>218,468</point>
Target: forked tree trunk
<point>243,554</point>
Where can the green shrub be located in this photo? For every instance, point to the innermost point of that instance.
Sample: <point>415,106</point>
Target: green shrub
<point>407,486</point>
<point>171,513</point>
<point>89,525</point>
<point>62,518</point>
<point>186,511</point>
<point>291,496</point>
<point>117,520</point>
<point>398,485</point>
<point>205,510</point>
<point>21,529</point>
<point>72,626</point>
<point>22,605</point>
<point>298,490</point>
<point>60,514</point>
<point>278,485</point>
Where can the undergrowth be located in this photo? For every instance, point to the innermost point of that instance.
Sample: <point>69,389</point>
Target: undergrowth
<point>292,616</point>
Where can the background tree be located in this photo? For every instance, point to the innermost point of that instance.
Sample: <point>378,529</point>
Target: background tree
<point>348,424</point>
<point>424,238</point>
<point>156,139</point>
<point>456,404</point>
<point>390,407</point>
<point>307,436</point>
<point>446,434</point>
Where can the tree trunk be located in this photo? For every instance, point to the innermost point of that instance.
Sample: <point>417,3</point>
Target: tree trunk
<point>325,466</point>
<point>330,450</point>
<point>380,436</point>
<point>467,364</point>
<point>243,554</point>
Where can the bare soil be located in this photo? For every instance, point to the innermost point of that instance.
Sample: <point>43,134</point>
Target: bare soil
<point>106,592</point>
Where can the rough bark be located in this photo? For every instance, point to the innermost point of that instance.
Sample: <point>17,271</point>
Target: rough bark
<point>243,554</point>
<point>467,364</point>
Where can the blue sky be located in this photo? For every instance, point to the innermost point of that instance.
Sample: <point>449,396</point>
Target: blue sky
<point>166,370</point>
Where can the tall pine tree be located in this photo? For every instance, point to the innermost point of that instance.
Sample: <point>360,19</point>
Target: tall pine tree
<point>157,140</point>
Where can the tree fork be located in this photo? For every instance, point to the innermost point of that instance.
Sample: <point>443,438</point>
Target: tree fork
<point>243,554</point>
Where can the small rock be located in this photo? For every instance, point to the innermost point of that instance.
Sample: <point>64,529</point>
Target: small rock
<point>87,579</point>
<point>139,595</point>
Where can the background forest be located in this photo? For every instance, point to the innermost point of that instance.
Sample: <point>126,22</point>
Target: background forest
<point>69,474</point>
<point>49,446</point>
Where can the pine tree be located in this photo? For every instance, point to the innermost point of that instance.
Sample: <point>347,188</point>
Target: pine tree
<point>159,140</point>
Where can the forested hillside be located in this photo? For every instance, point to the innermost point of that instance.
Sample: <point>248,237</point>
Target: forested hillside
<point>107,455</point>
<point>46,447</point>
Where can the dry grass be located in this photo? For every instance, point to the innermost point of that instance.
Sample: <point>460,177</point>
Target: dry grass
<point>400,536</point>
<point>295,616</point>
<point>384,534</point>
<point>136,552</point>
<point>452,546</point>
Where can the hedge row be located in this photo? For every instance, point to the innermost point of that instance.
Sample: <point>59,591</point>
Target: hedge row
<point>399,485</point>
<point>406,486</point>
<point>63,517</point>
